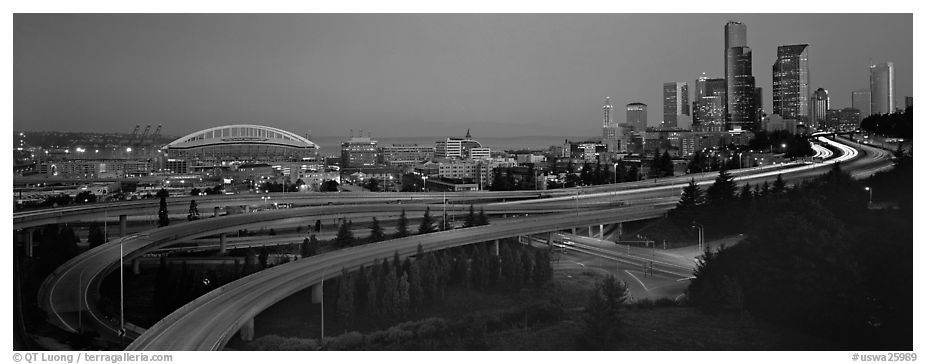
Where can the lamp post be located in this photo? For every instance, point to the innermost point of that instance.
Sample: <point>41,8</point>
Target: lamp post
<point>615,172</point>
<point>869,189</point>
<point>700,234</point>
<point>121,295</point>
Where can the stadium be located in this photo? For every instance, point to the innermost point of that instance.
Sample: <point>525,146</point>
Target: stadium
<point>232,145</point>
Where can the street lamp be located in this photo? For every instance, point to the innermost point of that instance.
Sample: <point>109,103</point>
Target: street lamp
<point>615,172</point>
<point>869,189</point>
<point>700,228</point>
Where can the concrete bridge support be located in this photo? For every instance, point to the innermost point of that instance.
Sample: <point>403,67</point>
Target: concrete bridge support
<point>495,248</point>
<point>247,331</point>
<point>590,234</point>
<point>317,293</point>
<point>123,225</point>
<point>222,243</point>
<point>550,240</point>
<point>215,211</point>
<point>620,230</point>
<point>247,208</point>
<point>573,231</point>
<point>600,231</point>
<point>27,242</point>
<point>136,266</point>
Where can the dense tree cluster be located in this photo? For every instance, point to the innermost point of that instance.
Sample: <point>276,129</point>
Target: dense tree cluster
<point>393,289</point>
<point>816,259</point>
<point>897,125</point>
<point>603,314</point>
<point>661,165</point>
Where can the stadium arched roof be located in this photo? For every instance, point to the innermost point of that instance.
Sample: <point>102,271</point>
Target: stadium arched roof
<point>241,134</point>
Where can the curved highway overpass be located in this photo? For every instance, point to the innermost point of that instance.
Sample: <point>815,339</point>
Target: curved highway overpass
<point>106,259</point>
<point>209,322</point>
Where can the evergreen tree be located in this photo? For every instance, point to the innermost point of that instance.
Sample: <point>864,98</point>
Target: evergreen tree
<point>723,190</point>
<point>691,196</point>
<point>345,237</point>
<point>360,290</point>
<point>482,219</point>
<point>163,219</point>
<point>309,246</point>
<point>778,186</point>
<point>374,303</point>
<point>194,211</point>
<point>376,232</point>
<point>543,271</point>
<point>665,163</point>
<point>470,219</point>
<point>427,223</point>
<point>403,297</point>
<point>345,304</point>
<point>745,194</point>
<point>390,295</point>
<point>415,290</point>
<point>655,167</point>
<point>766,189</point>
<point>479,268</point>
<point>95,237</point>
<point>402,226</point>
<point>264,257</point>
<point>603,314</point>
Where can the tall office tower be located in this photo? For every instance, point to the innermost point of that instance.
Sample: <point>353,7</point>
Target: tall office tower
<point>791,82</point>
<point>636,116</point>
<point>861,100</point>
<point>882,88</point>
<point>675,104</point>
<point>740,90</point>
<point>608,127</point>
<point>820,103</point>
<point>709,96</point>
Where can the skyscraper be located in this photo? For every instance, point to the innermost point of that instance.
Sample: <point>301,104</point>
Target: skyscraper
<point>882,88</point>
<point>820,103</point>
<point>608,127</point>
<point>709,98</point>
<point>791,82</point>
<point>675,104</point>
<point>861,100</point>
<point>740,90</point>
<point>636,116</point>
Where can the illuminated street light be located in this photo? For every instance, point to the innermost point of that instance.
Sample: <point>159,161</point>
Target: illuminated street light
<point>869,189</point>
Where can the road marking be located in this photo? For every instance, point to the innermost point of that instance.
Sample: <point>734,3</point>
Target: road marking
<point>638,280</point>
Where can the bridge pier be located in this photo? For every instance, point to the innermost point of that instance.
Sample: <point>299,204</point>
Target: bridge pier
<point>247,331</point>
<point>222,243</point>
<point>123,225</point>
<point>495,247</point>
<point>620,230</point>
<point>573,231</point>
<point>247,208</point>
<point>550,240</point>
<point>590,234</point>
<point>27,241</point>
<point>136,266</point>
<point>317,293</point>
<point>600,231</point>
<point>215,211</point>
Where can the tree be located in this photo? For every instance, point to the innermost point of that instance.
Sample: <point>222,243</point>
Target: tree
<point>162,193</point>
<point>329,186</point>
<point>264,257</point>
<point>95,237</point>
<point>403,296</point>
<point>779,185</point>
<point>163,219</point>
<point>481,219</point>
<point>194,211</point>
<point>723,190</point>
<point>309,246</point>
<point>470,219</point>
<point>691,196</point>
<point>665,163</point>
<point>603,314</point>
<point>376,232</point>
<point>345,305</point>
<point>427,223</point>
<point>318,225</point>
<point>84,197</point>
<point>415,291</point>
<point>345,237</point>
<point>401,226</point>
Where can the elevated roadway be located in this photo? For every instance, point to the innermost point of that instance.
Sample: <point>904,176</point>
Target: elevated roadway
<point>209,322</point>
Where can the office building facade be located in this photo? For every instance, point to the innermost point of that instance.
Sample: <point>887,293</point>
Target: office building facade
<point>359,152</point>
<point>820,103</point>
<point>861,100</point>
<point>740,90</point>
<point>675,104</point>
<point>636,116</point>
<point>791,82</point>
<point>882,88</point>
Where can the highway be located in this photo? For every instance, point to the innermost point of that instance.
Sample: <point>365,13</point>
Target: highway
<point>208,322</point>
<point>87,270</point>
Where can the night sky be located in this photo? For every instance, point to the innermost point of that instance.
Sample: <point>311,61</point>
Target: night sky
<point>410,75</point>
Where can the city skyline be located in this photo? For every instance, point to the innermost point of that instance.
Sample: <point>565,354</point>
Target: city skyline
<point>392,74</point>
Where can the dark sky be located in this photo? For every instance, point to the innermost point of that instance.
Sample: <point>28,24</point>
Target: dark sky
<point>409,75</point>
